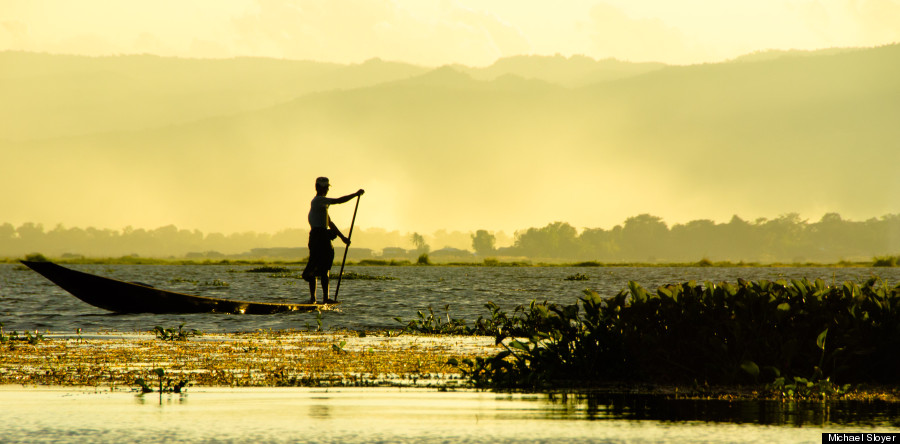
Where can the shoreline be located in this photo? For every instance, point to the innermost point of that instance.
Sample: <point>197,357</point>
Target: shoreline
<point>332,359</point>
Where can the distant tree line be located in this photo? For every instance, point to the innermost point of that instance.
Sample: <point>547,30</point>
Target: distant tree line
<point>160,242</point>
<point>642,238</point>
<point>646,238</point>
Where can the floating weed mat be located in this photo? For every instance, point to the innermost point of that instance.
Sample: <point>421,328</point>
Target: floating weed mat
<point>269,269</point>
<point>264,358</point>
<point>212,283</point>
<point>351,275</point>
<point>348,275</point>
<point>797,340</point>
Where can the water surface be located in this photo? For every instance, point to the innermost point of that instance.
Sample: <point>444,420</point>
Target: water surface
<point>30,302</point>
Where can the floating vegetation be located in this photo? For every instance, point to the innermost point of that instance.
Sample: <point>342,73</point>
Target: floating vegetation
<point>802,388</point>
<point>352,275</point>
<point>166,385</point>
<point>13,337</point>
<point>212,283</point>
<point>269,269</point>
<point>430,324</point>
<point>252,359</point>
<point>339,348</point>
<point>287,275</point>
<point>348,275</point>
<point>172,334</point>
<point>752,332</point>
<point>577,277</point>
<point>385,262</point>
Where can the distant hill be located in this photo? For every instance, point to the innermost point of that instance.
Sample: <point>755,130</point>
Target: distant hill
<point>574,71</point>
<point>46,96</point>
<point>772,54</point>
<point>811,134</point>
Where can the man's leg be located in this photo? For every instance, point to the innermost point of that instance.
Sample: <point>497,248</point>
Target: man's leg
<point>312,291</point>
<point>324,280</point>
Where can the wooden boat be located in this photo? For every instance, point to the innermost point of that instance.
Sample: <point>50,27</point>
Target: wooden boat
<point>132,297</point>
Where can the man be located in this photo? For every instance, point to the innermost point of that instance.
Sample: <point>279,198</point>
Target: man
<point>321,232</point>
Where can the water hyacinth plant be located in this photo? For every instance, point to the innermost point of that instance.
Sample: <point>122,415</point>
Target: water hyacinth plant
<point>751,332</point>
<point>173,334</point>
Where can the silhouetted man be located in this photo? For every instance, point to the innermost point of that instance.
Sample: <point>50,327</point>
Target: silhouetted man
<point>321,232</point>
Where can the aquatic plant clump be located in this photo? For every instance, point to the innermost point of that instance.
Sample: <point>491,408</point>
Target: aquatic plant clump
<point>578,277</point>
<point>173,334</point>
<point>752,332</point>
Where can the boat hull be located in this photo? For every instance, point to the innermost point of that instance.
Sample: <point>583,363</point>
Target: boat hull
<point>129,297</point>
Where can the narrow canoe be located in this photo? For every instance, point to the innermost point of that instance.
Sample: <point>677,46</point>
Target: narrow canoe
<point>131,297</point>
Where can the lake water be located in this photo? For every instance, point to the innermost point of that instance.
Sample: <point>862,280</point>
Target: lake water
<point>30,302</point>
<point>48,414</point>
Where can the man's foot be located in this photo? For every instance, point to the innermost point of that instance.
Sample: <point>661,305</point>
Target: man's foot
<point>330,301</point>
<point>311,301</point>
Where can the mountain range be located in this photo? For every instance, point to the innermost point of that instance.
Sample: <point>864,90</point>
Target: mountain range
<point>522,142</point>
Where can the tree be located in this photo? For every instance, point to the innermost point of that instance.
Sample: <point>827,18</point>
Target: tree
<point>483,243</point>
<point>557,240</point>
<point>419,242</point>
<point>644,237</point>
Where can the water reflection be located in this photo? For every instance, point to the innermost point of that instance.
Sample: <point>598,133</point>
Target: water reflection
<point>665,408</point>
<point>66,415</point>
<point>319,411</point>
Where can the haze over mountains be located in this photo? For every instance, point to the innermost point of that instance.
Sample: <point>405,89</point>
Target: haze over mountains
<point>233,145</point>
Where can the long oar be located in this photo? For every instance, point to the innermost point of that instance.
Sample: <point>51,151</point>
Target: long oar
<point>346,249</point>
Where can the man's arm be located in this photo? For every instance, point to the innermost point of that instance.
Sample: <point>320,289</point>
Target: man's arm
<point>334,227</point>
<point>342,199</point>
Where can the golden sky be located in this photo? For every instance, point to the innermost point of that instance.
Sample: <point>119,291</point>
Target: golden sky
<point>437,32</point>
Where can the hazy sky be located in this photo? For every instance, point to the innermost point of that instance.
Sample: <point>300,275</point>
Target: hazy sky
<point>436,32</point>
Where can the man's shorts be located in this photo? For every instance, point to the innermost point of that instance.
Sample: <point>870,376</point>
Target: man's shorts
<point>321,253</point>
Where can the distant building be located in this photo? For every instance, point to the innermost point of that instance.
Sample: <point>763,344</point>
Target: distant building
<point>394,253</point>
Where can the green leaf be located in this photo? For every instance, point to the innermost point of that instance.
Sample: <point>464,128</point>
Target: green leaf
<point>516,344</point>
<point>751,368</point>
<point>784,306</point>
<point>820,340</point>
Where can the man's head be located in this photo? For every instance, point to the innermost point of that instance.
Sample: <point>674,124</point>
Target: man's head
<point>322,184</point>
